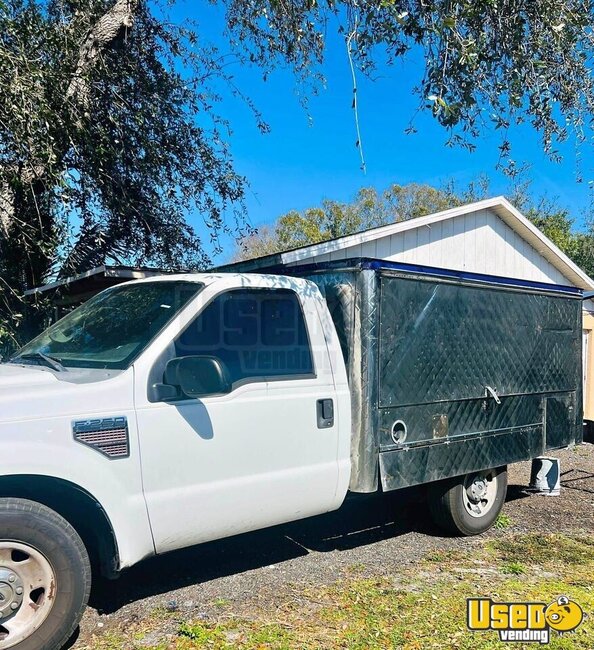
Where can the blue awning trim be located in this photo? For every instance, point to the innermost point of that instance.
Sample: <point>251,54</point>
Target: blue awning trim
<point>380,265</point>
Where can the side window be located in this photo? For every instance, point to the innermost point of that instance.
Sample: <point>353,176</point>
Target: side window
<point>256,333</point>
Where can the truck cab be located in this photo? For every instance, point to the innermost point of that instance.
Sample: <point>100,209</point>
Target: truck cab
<point>184,409</point>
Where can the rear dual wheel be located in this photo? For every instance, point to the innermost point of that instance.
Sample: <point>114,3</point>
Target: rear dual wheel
<point>469,504</point>
<point>45,577</point>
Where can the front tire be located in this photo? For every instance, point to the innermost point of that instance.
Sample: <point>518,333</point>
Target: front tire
<point>45,577</point>
<point>469,504</point>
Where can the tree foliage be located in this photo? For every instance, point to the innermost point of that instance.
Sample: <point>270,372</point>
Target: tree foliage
<point>108,140</point>
<point>556,223</point>
<point>493,61</point>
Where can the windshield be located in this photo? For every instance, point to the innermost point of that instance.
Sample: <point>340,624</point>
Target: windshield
<point>112,328</point>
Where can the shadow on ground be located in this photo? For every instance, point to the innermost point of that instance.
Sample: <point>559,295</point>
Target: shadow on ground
<point>362,520</point>
<point>515,492</point>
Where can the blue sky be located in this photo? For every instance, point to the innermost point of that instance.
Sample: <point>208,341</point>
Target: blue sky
<point>310,156</point>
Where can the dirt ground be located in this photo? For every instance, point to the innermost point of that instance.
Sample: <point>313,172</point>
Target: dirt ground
<point>377,536</point>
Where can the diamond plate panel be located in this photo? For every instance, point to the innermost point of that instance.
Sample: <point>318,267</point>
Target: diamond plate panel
<point>463,417</point>
<point>422,349</point>
<point>560,420</point>
<point>445,342</point>
<point>415,465</point>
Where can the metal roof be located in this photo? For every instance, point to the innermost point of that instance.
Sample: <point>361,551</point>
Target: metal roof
<point>95,280</point>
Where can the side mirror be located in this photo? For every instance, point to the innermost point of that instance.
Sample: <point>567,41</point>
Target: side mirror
<point>194,377</point>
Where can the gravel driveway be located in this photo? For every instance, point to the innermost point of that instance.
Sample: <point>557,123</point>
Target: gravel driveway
<point>377,535</point>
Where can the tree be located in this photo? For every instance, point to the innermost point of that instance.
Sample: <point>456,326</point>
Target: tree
<point>108,140</point>
<point>494,61</point>
<point>332,219</point>
<point>558,226</point>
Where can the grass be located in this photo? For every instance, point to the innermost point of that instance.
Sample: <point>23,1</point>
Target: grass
<point>503,521</point>
<point>110,641</point>
<point>420,608</point>
<point>220,602</point>
<point>513,568</point>
<point>445,556</point>
<point>538,549</point>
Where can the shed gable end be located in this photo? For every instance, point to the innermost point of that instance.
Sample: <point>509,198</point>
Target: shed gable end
<point>478,242</point>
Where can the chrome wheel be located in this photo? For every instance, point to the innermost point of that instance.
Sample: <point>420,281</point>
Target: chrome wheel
<point>480,492</point>
<point>27,591</point>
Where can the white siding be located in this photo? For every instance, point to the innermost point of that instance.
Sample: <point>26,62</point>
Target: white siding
<point>479,242</point>
<point>382,247</point>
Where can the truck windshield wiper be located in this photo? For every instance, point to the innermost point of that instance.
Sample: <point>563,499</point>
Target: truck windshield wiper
<point>50,362</point>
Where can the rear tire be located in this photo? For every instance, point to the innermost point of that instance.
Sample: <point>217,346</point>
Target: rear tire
<point>469,504</point>
<point>45,577</point>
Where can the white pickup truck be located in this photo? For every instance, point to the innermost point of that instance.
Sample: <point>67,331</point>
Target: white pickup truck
<point>168,412</point>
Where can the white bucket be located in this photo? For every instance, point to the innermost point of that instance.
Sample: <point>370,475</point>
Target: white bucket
<point>545,477</point>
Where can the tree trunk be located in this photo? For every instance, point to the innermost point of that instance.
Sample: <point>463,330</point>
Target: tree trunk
<point>6,209</point>
<point>99,38</point>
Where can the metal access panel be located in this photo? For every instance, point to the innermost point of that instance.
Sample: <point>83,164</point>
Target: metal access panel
<point>560,416</point>
<point>473,374</point>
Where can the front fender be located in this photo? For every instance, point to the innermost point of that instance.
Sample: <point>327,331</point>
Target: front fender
<point>48,449</point>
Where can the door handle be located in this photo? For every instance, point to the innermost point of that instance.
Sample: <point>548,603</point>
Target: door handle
<point>325,412</point>
<point>492,392</point>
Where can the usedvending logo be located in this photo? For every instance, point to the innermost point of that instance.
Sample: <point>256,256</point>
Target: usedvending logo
<point>524,621</point>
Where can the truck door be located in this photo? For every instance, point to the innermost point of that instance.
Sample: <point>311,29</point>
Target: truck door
<point>262,454</point>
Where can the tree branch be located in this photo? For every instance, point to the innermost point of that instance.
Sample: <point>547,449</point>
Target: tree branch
<point>98,39</point>
<point>6,208</point>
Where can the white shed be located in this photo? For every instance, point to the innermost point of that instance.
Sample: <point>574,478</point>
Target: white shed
<point>489,236</point>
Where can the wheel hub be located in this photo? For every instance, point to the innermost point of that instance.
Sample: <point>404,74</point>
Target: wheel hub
<point>477,490</point>
<point>27,588</point>
<point>11,592</point>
